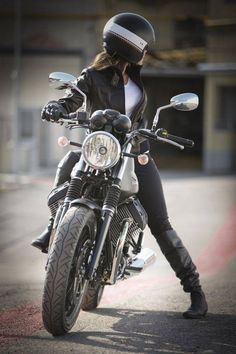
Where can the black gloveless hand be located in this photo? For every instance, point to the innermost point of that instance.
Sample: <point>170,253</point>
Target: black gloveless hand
<point>52,112</point>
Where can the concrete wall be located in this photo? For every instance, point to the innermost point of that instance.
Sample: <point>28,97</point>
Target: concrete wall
<point>34,92</point>
<point>219,144</point>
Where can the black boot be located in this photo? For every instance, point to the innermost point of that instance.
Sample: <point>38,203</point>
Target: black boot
<point>42,241</point>
<point>181,262</point>
<point>198,308</point>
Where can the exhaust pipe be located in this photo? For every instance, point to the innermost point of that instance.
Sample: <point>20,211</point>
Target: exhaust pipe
<point>142,260</point>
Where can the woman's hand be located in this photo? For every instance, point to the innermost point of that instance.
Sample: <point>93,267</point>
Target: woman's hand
<point>52,111</point>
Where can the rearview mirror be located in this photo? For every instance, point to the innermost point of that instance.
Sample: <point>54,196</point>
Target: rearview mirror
<point>61,81</point>
<point>185,101</point>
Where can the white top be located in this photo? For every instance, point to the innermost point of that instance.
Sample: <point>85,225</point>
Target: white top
<point>132,96</point>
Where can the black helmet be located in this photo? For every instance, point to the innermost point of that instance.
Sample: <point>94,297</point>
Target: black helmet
<point>128,35</point>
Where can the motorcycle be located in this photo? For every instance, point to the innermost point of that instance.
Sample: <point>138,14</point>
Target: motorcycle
<point>98,220</point>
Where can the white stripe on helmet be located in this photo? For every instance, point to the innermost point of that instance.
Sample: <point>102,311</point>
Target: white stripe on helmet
<point>126,34</point>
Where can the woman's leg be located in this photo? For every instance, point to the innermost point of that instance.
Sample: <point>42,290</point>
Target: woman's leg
<point>152,198</point>
<point>65,167</point>
<point>63,173</point>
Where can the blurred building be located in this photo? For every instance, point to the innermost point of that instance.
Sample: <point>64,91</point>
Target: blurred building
<point>196,52</point>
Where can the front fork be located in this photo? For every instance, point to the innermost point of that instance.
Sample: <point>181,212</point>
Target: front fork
<point>74,190</point>
<point>108,211</point>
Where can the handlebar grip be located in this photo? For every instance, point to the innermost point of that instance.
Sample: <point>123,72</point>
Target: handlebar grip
<point>80,117</point>
<point>68,115</point>
<point>72,115</point>
<point>64,115</point>
<point>147,133</point>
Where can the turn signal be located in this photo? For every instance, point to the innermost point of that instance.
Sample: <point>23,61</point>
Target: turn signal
<point>63,141</point>
<point>143,159</point>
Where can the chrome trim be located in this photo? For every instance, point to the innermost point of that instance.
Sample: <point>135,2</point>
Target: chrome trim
<point>156,118</point>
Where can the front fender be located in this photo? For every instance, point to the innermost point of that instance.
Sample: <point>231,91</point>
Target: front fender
<point>88,203</point>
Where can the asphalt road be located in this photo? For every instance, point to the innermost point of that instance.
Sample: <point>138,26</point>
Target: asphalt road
<point>139,315</point>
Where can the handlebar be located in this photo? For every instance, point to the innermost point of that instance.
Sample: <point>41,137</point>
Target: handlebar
<point>81,118</point>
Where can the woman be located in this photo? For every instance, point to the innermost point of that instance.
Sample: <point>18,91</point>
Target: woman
<point>113,81</point>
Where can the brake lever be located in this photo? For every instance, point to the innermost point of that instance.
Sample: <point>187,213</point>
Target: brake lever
<point>181,147</point>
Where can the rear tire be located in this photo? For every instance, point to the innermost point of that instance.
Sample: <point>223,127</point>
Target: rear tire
<point>65,283</point>
<point>92,297</point>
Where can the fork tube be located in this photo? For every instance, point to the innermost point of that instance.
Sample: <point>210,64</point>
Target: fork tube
<point>99,244</point>
<point>122,168</point>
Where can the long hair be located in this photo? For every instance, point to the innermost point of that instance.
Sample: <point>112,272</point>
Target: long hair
<point>103,60</point>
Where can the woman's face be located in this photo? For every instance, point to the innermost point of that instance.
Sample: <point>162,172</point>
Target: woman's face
<point>142,60</point>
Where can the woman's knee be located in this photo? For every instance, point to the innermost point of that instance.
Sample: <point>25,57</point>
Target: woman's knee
<point>65,167</point>
<point>159,225</point>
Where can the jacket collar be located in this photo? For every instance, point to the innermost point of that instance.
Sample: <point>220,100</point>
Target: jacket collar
<point>116,77</point>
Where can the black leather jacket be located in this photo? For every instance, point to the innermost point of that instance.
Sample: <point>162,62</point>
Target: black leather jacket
<point>105,89</point>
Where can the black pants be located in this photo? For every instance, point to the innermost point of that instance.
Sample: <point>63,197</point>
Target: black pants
<point>152,198</point>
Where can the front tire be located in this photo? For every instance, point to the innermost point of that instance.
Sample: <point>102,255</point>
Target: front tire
<point>65,284</point>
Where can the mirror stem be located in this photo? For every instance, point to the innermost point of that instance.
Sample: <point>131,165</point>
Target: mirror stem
<point>83,94</point>
<point>156,118</point>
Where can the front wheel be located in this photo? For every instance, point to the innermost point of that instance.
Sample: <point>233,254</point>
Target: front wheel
<point>65,284</point>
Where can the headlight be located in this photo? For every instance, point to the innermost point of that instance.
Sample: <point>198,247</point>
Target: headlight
<point>101,150</point>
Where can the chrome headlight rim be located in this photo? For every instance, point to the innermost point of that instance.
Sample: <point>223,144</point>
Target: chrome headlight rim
<point>91,136</point>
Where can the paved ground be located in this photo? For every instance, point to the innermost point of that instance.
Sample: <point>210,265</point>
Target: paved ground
<point>142,314</point>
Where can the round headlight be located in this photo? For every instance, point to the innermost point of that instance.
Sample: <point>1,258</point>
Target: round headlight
<point>101,150</point>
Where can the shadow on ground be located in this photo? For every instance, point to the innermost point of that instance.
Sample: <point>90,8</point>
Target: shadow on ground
<point>163,332</point>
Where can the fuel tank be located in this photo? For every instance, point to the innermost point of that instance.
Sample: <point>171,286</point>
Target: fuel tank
<point>129,183</point>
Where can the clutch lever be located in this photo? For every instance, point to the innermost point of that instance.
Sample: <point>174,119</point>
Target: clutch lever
<point>149,134</point>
